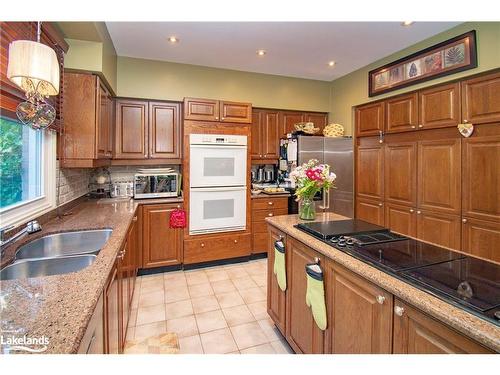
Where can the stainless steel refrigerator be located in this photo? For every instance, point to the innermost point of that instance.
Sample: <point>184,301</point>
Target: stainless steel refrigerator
<point>338,154</point>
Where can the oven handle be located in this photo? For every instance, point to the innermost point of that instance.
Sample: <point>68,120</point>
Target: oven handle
<point>230,188</point>
<point>218,146</point>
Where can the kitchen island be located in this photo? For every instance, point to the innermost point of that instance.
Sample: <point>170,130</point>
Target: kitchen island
<point>368,310</point>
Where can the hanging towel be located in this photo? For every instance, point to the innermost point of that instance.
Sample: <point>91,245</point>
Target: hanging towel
<point>177,218</point>
<point>315,294</point>
<point>279,264</point>
<point>292,150</point>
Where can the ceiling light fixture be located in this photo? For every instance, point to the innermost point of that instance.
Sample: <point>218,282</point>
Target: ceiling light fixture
<point>331,63</point>
<point>407,23</point>
<point>261,52</point>
<point>173,39</point>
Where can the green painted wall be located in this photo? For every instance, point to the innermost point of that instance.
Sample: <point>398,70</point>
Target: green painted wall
<point>171,81</point>
<point>352,89</point>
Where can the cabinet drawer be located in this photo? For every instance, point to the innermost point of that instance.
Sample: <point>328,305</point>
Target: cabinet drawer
<point>263,203</point>
<point>260,215</point>
<point>216,248</point>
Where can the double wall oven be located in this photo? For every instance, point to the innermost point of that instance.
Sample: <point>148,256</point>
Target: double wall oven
<point>218,183</point>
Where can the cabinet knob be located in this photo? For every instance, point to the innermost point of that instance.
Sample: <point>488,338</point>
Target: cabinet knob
<point>413,127</point>
<point>399,311</point>
<point>216,117</point>
<point>270,214</point>
<point>235,241</point>
<point>420,126</point>
<point>202,244</point>
<point>135,218</point>
<point>145,155</point>
<point>380,204</point>
<point>380,299</point>
<point>465,121</point>
<point>270,203</point>
<point>464,221</point>
<point>412,210</point>
<point>222,118</point>
<point>419,212</point>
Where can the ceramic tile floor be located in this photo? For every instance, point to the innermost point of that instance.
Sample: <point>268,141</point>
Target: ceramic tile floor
<point>213,310</point>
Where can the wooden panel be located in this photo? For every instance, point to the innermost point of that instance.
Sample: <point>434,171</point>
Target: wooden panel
<point>417,333</point>
<point>217,247</point>
<point>201,109</point>
<point>438,228</point>
<point>260,215</point>
<point>402,113</point>
<point>131,129</point>
<point>369,172</point>
<point>259,227</point>
<point>236,112</point>
<point>370,211</point>
<point>481,99</point>
<point>320,120</point>
<point>164,130</point>
<point>439,175</point>
<point>400,173</point>
<point>162,246</point>
<point>401,219</point>
<point>270,135</point>
<point>481,238</point>
<point>123,280</point>
<point>302,333</point>
<point>288,120</point>
<point>102,109</point>
<point>112,307</point>
<point>276,298</point>
<point>439,106</point>
<point>256,143</point>
<point>266,203</point>
<point>360,314</point>
<point>481,178</point>
<point>259,243</point>
<point>370,119</point>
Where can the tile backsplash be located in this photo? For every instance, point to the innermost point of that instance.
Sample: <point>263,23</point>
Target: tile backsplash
<point>126,173</point>
<point>72,183</point>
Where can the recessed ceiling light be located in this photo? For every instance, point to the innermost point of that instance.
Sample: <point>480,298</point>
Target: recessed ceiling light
<point>173,39</point>
<point>261,52</point>
<point>407,23</point>
<point>331,63</point>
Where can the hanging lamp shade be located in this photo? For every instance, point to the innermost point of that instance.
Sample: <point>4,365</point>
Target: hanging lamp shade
<point>33,67</point>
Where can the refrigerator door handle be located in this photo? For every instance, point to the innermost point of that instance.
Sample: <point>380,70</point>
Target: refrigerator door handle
<point>323,206</point>
<point>328,199</point>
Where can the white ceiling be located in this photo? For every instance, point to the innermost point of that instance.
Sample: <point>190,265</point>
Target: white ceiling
<point>295,49</point>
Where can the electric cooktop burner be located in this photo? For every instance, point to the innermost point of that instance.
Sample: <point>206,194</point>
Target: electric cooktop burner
<point>327,229</point>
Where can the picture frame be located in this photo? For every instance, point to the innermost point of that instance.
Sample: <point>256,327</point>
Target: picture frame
<point>451,56</point>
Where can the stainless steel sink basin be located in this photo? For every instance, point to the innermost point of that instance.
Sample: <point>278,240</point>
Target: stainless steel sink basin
<point>64,244</point>
<point>45,267</point>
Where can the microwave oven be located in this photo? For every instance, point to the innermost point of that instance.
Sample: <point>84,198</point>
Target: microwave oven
<point>156,185</point>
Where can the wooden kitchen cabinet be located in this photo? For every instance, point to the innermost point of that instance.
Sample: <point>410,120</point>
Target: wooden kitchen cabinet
<point>112,312</point>
<point>164,130</point>
<point>105,123</point>
<point>417,333</point>
<point>481,238</point>
<point>402,113</point>
<point>287,120</point>
<point>371,211</point>
<point>235,112</point>
<point>359,314</point>
<point>262,208</point>
<point>162,245</point>
<point>217,247</point>
<point>93,341</point>
<point>369,171</point>
<point>400,173</point>
<point>217,110</point>
<point>439,228</point>
<point>265,135</point>
<point>124,288</point>
<point>401,219</point>
<point>370,119</point>
<point>256,139</point>
<point>131,130</point>
<point>481,99</point>
<point>439,107</point>
<point>302,333</point>
<point>276,298</point>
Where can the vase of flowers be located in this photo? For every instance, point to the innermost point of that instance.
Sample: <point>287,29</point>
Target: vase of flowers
<point>310,178</point>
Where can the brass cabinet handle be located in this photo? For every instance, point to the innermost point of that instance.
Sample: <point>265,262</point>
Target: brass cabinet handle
<point>465,121</point>
<point>399,311</point>
<point>235,241</point>
<point>419,212</point>
<point>464,221</point>
<point>202,244</point>
<point>413,127</point>
<point>420,126</point>
<point>216,117</point>
<point>270,203</point>
<point>380,204</point>
<point>380,136</point>
<point>222,118</point>
<point>380,299</point>
<point>412,210</point>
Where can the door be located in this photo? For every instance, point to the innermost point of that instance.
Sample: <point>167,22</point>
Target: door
<point>217,209</point>
<point>131,138</point>
<point>102,107</point>
<point>236,112</point>
<point>164,130</point>
<point>302,333</point>
<point>288,120</point>
<point>360,314</point>
<point>438,228</point>
<point>320,120</point>
<point>124,281</point>
<point>276,298</point>
<point>402,113</point>
<point>400,173</point>
<point>481,99</point>
<point>418,333</point>
<point>481,178</point>
<point>370,172</point>
<point>481,238</point>
<point>370,211</point>
<point>439,175</point>
<point>270,132</point>
<point>162,245</point>
<point>112,305</point>
<point>131,256</point>
<point>401,219</point>
<point>111,124</point>
<point>370,119</point>
<point>257,139</point>
<point>201,109</point>
<point>439,107</point>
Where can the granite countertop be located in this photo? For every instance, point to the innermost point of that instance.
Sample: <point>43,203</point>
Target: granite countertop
<point>478,329</point>
<point>59,307</point>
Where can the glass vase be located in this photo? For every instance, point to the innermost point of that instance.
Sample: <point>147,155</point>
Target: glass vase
<point>307,209</point>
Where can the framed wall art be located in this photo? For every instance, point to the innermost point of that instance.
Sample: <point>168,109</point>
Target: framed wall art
<point>448,57</point>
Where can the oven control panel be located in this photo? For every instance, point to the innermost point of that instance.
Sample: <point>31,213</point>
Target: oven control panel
<point>217,139</point>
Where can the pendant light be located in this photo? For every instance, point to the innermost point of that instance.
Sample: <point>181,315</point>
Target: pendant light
<point>34,68</point>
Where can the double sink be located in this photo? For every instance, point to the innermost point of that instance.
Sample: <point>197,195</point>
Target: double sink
<point>56,254</point>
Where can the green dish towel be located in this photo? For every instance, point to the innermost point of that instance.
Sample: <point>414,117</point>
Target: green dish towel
<point>315,294</point>
<point>279,264</point>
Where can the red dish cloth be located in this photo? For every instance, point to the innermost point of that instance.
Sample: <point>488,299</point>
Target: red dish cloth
<point>177,219</point>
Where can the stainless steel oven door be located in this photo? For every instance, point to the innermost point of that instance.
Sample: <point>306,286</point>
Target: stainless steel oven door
<point>219,209</point>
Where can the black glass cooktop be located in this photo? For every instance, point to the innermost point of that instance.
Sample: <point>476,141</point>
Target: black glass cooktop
<point>327,229</point>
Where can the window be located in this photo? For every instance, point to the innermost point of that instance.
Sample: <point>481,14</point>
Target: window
<point>27,171</point>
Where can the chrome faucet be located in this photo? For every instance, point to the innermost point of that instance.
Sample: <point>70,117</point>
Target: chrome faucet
<point>31,227</point>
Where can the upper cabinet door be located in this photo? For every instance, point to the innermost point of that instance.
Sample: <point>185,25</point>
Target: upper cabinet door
<point>439,175</point>
<point>270,139</point>
<point>370,119</point>
<point>288,120</point>
<point>131,129</point>
<point>201,109</point>
<point>481,177</point>
<point>481,99</point>
<point>370,172</point>
<point>236,112</point>
<point>439,107</point>
<point>164,130</point>
<point>480,238</point>
<point>103,122</point>
<point>320,120</point>
<point>402,113</point>
<point>400,173</point>
<point>257,137</point>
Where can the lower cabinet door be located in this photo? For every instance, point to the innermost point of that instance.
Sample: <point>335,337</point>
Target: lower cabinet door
<point>370,210</point>
<point>124,280</point>
<point>440,229</point>
<point>112,306</point>
<point>276,298</point>
<point>302,333</point>
<point>418,333</point>
<point>481,238</point>
<point>360,314</point>
<point>401,219</point>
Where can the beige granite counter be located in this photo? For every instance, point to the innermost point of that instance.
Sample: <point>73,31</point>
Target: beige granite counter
<point>480,330</point>
<point>59,307</point>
